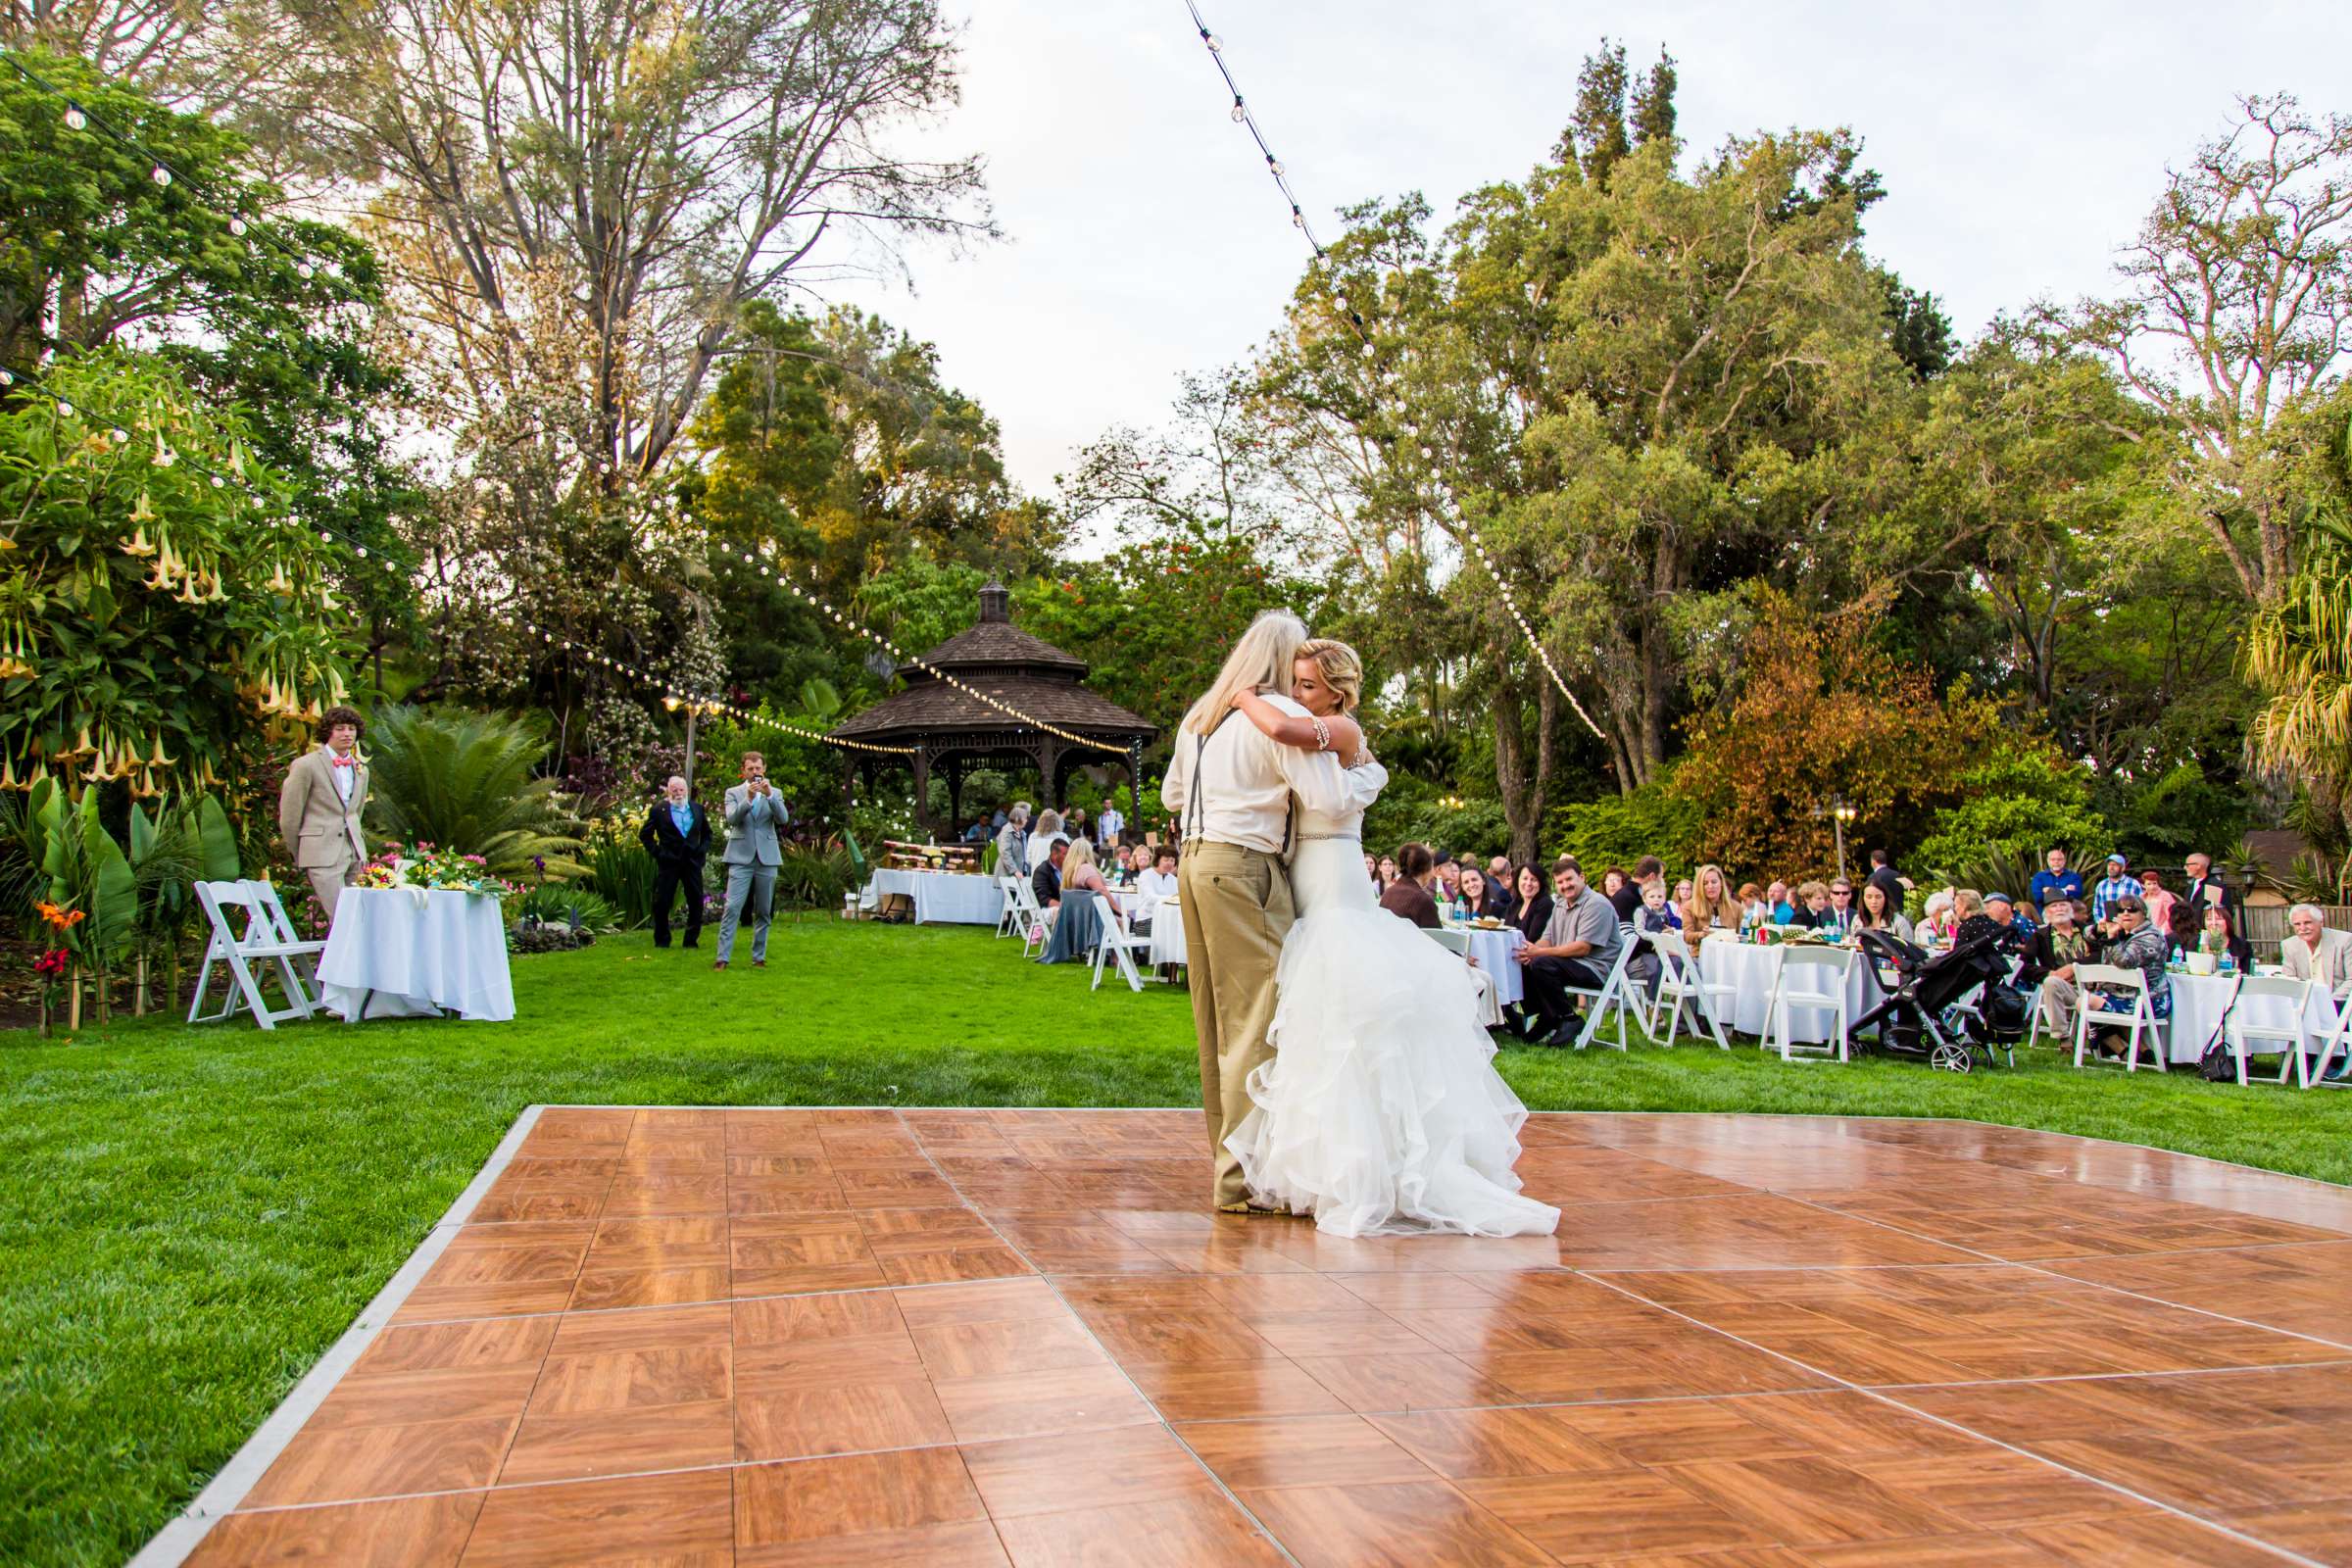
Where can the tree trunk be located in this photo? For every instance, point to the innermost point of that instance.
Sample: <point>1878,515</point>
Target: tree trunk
<point>1522,799</point>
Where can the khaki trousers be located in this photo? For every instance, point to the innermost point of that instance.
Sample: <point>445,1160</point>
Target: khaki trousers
<point>328,883</point>
<point>1237,910</point>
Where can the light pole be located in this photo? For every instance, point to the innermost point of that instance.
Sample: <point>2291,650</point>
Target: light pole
<point>693,712</point>
<point>1840,814</point>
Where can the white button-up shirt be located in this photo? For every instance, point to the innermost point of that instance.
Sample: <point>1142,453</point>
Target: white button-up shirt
<point>341,775</point>
<point>1246,779</point>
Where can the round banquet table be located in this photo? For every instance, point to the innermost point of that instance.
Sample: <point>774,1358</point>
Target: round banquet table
<point>1168,933</point>
<point>1496,953</point>
<point>2198,1001</point>
<point>942,898</point>
<point>1752,966</point>
<point>397,953</point>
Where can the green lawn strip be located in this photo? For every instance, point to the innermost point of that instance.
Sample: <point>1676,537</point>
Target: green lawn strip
<point>194,1214</point>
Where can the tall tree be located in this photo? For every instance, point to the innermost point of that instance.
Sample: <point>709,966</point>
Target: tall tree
<point>2236,301</point>
<point>623,177</point>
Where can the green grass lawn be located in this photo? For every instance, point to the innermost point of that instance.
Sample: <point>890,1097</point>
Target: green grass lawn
<point>192,1215</point>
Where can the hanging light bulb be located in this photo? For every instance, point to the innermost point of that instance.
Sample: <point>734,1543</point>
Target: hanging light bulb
<point>1216,45</point>
<point>1241,110</point>
<point>76,119</point>
<point>65,408</point>
<point>236,226</point>
<point>159,175</point>
<point>1274,164</point>
<point>303,269</point>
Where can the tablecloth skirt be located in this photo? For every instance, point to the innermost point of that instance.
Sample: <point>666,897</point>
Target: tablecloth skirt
<point>418,955</point>
<point>1751,967</point>
<point>941,898</point>
<point>1168,933</point>
<point>2198,1001</point>
<point>1496,952</point>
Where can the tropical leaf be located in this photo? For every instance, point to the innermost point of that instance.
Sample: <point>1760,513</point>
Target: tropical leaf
<point>464,781</point>
<point>217,858</point>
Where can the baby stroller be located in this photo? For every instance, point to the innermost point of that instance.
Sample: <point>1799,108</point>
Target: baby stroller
<point>1944,1009</point>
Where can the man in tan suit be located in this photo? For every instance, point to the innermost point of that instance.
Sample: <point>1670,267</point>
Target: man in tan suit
<point>1233,787</point>
<point>319,809</point>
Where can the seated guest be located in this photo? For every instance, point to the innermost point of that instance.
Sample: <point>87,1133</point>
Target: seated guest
<point>2008,925</point>
<point>1627,897</point>
<point>1480,900</point>
<point>1502,875</point>
<point>2313,951</point>
<point>2182,927</point>
<point>1969,920</point>
<point>1653,915</point>
<point>2061,943</point>
<point>1079,926</point>
<point>1045,880</point>
<point>1012,842</point>
<point>1754,910</point>
<point>1812,906</point>
<point>1450,881</point>
<point>1372,871</point>
<point>1935,920</point>
<point>1877,916</point>
<point>1784,903</point>
<point>1710,906</point>
<point>1682,895</point>
<point>1579,949</point>
<point>1531,912</point>
<point>1042,835</point>
<point>1159,880</point>
<point>2159,902</point>
<point>2220,939</point>
<point>2135,945</point>
<point>1614,882</point>
<point>1386,877</point>
<point>1837,920</point>
<point>1412,897</point>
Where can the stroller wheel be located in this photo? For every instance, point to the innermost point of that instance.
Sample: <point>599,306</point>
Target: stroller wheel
<point>1950,1057</point>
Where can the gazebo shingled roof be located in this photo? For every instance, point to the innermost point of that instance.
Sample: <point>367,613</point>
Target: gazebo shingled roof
<point>951,729</point>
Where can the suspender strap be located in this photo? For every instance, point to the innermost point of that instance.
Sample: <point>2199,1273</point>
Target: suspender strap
<point>1193,826</point>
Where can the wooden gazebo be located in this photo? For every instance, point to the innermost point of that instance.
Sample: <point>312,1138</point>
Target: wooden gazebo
<point>955,733</point>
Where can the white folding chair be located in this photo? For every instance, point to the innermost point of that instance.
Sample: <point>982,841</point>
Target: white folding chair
<point>1680,981</point>
<point>1453,939</point>
<point>268,938</point>
<point>2139,1019</point>
<point>1035,928</point>
<point>1814,978</point>
<point>2312,1073</point>
<point>1008,919</point>
<point>1609,995</point>
<point>1116,941</point>
<point>2247,1037</point>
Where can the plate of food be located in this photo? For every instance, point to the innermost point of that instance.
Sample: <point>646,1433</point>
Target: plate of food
<point>1487,923</point>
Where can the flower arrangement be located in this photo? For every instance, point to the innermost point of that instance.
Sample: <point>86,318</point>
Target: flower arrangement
<point>422,865</point>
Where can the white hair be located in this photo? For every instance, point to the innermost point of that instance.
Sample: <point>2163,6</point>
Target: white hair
<point>1261,657</point>
<point>1019,812</point>
<point>2311,910</point>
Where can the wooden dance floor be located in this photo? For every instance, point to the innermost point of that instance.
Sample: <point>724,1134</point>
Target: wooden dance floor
<point>969,1337</point>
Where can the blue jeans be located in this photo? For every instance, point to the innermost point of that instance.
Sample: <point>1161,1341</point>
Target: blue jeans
<point>758,884</point>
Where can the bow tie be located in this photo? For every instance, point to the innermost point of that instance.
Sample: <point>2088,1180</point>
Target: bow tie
<point>344,761</point>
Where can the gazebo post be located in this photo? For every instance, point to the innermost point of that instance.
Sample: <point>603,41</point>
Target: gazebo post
<point>922,789</point>
<point>1048,771</point>
<point>1134,783</point>
<point>955,767</point>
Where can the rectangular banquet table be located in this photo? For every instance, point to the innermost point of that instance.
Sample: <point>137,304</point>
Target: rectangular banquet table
<point>396,953</point>
<point>1168,933</point>
<point>1752,966</point>
<point>942,898</point>
<point>2198,1001</point>
<point>1496,953</point>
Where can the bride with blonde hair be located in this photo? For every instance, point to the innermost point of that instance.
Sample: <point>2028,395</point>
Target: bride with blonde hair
<point>1380,1111</point>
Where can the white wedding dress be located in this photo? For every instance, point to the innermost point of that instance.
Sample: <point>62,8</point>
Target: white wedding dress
<point>1381,1112</point>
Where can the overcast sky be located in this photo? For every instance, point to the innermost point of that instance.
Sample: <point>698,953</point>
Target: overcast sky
<point>2020,145</point>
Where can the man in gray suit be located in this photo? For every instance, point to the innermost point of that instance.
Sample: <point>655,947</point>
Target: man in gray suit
<point>755,814</point>
<point>319,809</point>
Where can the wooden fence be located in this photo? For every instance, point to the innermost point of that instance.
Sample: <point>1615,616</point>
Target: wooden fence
<point>2266,924</point>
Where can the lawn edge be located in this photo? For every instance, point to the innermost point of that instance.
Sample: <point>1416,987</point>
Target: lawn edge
<point>173,1545</point>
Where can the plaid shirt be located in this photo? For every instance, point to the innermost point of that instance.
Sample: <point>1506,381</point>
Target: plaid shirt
<point>2110,888</point>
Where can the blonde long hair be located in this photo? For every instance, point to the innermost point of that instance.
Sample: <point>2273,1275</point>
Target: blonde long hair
<point>1342,670</point>
<point>1081,856</point>
<point>1698,914</point>
<point>1261,657</point>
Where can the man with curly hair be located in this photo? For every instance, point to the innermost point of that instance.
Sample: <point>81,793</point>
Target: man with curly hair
<point>318,807</point>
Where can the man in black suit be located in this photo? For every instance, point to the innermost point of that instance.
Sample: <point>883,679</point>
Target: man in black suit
<point>678,835</point>
<point>1887,879</point>
<point>2205,890</point>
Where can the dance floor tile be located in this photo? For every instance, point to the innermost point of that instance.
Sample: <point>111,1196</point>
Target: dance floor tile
<point>831,1338</point>
<point>407,1533</point>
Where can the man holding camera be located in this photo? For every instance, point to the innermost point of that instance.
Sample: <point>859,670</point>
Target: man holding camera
<point>755,815</point>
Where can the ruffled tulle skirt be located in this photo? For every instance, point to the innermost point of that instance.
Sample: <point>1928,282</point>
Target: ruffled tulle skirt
<point>1381,1112</point>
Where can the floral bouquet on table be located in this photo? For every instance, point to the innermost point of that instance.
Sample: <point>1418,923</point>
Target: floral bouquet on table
<point>421,868</point>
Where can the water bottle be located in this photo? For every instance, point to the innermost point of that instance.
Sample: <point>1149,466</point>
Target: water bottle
<point>2228,963</point>
<point>2178,962</point>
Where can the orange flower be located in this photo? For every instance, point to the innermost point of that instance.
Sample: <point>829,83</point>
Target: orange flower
<point>60,919</point>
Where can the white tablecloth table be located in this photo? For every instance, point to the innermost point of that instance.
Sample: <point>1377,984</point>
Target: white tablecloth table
<point>1168,933</point>
<point>1752,966</point>
<point>942,898</point>
<point>393,954</point>
<point>2199,998</point>
<point>1496,953</point>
